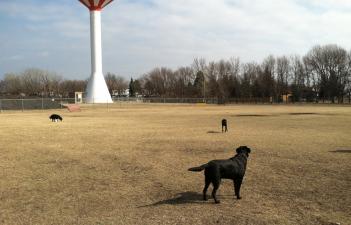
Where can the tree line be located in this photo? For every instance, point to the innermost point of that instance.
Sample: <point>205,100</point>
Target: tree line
<point>36,82</point>
<point>323,74</point>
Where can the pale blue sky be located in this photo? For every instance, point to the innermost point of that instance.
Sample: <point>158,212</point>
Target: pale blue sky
<point>139,35</point>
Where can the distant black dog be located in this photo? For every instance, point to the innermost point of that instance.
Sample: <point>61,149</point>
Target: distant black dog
<point>224,125</point>
<point>233,168</point>
<point>55,118</point>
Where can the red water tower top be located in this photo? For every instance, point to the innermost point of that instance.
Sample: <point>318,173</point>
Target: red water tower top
<point>95,4</point>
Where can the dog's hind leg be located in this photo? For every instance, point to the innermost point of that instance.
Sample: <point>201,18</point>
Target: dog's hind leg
<point>215,188</point>
<point>207,183</point>
<point>237,185</point>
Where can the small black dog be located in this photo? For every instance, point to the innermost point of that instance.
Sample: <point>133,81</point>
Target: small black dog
<point>224,125</point>
<point>233,168</point>
<point>55,118</point>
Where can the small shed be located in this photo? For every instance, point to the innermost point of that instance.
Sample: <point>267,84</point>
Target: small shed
<point>78,97</point>
<point>287,98</point>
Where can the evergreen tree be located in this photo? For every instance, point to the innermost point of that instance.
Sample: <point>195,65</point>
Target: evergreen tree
<point>131,88</point>
<point>199,83</point>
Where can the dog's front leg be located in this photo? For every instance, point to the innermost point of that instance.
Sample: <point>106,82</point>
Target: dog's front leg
<point>237,185</point>
<point>234,187</point>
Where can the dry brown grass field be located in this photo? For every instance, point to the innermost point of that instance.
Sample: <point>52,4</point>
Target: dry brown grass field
<point>128,165</point>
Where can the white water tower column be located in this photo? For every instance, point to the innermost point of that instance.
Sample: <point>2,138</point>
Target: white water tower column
<point>97,91</point>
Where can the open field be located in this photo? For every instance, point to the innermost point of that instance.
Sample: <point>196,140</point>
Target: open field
<point>128,165</point>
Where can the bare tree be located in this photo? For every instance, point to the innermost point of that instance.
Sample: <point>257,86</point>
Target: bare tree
<point>68,87</point>
<point>250,83</point>
<point>116,84</point>
<point>50,83</point>
<point>12,84</point>
<point>55,83</point>
<point>212,85</point>
<point>121,85</point>
<point>156,83</point>
<point>199,64</point>
<point>184,79</point>
<point>283,73</point>
<point>111,81</point>
<point>32,82</point>
<point>224,74</point>
<point>329,67</point>
<point>298,76</point>
<point>267,77</point>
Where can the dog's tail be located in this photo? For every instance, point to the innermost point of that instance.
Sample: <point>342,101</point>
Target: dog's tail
<point>198,169</point>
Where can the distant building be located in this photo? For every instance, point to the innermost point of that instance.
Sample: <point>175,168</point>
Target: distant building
<point>119,93</point>
<point>287,98</point>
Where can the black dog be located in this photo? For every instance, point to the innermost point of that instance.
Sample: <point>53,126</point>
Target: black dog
<point>55,118</point>
<point>233,168</point>
<point>224,125</point>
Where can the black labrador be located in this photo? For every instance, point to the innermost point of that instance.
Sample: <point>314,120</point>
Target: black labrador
<point>224,125</point>
<point>55,118</point>
<point>233,168</point>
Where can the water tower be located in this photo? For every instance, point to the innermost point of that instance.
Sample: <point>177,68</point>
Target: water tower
<point>97,91</point>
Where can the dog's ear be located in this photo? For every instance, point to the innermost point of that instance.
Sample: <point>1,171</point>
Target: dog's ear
<point>248,150</point>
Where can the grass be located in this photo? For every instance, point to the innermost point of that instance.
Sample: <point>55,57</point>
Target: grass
<point>128,165</point>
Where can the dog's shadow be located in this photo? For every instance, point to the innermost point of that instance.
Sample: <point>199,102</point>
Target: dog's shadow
<point>213,132</point>
<point>342,151</point>
<point>188,197</point>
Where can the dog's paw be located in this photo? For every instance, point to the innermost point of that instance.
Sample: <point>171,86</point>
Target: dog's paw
<point>238,197</point>
<point>217,201</point>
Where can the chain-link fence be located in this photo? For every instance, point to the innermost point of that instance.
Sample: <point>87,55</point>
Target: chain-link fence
<point>37,103</point>
<point>57,103</point>
<point>200,100</point>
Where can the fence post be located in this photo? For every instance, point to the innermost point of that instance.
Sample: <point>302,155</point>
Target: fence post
<point>42,102</point>
<point>0,106</point>
<point>22,105</point>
